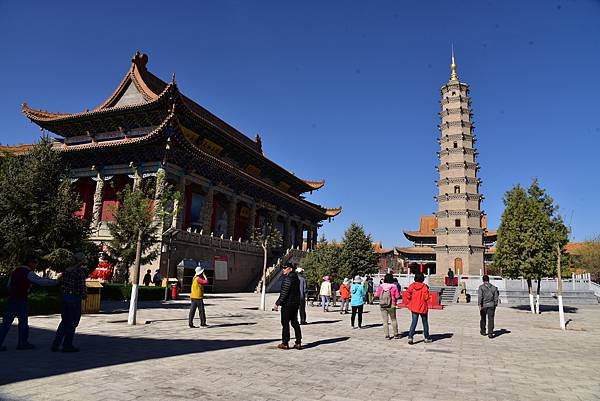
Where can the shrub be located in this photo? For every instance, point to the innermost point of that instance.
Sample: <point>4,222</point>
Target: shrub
<point>121,292</point>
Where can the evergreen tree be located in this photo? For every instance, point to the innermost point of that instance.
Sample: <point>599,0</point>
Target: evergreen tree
<point>325,260</point>
<point>357,256</point>
<point>134,214</point>
<point>37,206</point>
<point>529,232</point>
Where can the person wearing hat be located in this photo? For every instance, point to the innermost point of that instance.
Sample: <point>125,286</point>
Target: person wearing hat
<point>325,293</point>
<point>357,301</point>
<point>74,291</point>
<point>345,296</point>
<point>19,284</point>
<point>289,300</point>
<point>197,297</point>
<point>303,292</point>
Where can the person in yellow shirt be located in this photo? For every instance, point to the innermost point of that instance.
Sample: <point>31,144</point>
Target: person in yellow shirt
<point>197,297</point>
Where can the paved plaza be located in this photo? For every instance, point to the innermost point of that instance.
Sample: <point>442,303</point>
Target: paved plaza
<point>235,358</point>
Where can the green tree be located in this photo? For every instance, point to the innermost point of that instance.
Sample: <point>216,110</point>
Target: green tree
<point>135,216</point>
<point>529,232</point>
<point>357,256</point>
<point>322,261</point>
<point>37,206</point>
<point>267,237</point>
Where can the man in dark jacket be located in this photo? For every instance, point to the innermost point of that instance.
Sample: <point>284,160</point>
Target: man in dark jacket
<point>289,300</point>
<point>487,297</point>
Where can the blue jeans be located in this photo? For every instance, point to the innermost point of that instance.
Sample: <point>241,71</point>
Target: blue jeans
<point>413,324</point>
<point>325,301</point>
<point>16,309</point>
<point>70,316</point>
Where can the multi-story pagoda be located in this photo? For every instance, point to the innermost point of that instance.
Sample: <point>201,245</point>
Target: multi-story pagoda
<point>148,130</point>
<point>457,235</point>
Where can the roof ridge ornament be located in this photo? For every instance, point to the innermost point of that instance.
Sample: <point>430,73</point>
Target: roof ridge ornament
<point>453,67</point>
<point>140,60</point>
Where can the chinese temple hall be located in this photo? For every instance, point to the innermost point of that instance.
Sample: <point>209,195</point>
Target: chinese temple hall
<point>456,237</point>
<point>148,130</point>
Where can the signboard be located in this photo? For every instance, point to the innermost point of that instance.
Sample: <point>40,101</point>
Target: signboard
<point>221,267</point>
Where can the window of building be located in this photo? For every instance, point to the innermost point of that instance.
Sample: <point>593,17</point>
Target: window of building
<point>456,189</point>
<point>456,222</point>
<point>453,93</point>
<point>455,144</point>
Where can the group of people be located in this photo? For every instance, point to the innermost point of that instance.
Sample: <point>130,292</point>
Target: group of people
<point>149,278</point>
<point>354,294</point>
<point>72,281</point>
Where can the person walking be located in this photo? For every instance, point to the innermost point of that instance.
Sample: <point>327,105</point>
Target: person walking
<point>197,298</point>
<point>357,292</point>
<point>147,278</point>
<point>388,298</point>
<point>303,291</point>
<point>487,298</point>
<point>370,290</point>
<point>157,278</point>
<point>417,296</point>
<point>289,301</point>
<point>325,293</point>
<point>19,284</point>
<point>334,289</point>
<point>345,296</point>
<point>74,291</point>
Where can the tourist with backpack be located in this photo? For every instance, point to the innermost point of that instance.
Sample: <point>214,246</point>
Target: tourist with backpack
<point>357,300</point>
<point>417,296</point>
<point>388,295</point>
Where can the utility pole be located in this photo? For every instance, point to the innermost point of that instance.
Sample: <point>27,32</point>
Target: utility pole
<point>136,278</point>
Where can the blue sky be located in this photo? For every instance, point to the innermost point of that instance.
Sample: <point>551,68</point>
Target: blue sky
<point>343,91</point>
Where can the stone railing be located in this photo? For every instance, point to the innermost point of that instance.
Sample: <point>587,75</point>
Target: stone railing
<point>293,255</point>
<point>221,242</point>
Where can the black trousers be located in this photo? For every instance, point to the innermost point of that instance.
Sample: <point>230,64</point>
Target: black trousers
<point>355,310</point>
<point>289,314</point>
<point>197,304</point>
<point>302,311</point>
<point>488,313</point>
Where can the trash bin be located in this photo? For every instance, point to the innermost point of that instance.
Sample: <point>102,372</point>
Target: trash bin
<point>92,303</point>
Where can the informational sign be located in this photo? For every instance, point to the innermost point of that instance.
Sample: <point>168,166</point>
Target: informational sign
<point>221,267</point>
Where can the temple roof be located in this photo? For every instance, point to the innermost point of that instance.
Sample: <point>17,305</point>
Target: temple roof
<point>15,150</point>
<point>169,133</point>
<point>378,248</point>
<point>143,100</point>
<point>416,250</point>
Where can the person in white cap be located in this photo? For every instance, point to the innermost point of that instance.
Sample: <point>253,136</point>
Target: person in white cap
<point>197,297</point>
<point>303,291</point>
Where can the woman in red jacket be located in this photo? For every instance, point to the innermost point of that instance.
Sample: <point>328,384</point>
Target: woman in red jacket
<point>417,296</point>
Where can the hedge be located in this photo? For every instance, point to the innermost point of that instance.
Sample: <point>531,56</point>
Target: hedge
<point>40,303</point>
<point>121,292</point>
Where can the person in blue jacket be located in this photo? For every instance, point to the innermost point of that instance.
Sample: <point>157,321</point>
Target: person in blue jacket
<point>357,300</point>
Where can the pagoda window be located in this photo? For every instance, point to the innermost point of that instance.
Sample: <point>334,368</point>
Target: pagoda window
<point>196,200</point>
<point>455,144</point>
<point>456,222</point>
<point>85,187</point>
<point>453,93</point>
<point>242,221</point>
<point>456,189</point>
<point>110,200</point>
<point>220,217</point>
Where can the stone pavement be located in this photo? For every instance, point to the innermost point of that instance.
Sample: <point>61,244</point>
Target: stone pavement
<point>236,359</point>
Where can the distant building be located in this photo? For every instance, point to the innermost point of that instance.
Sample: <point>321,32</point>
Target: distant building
<point>147,130</point>
<point>456,237</point>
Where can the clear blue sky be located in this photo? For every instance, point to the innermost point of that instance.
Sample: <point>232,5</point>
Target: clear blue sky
<point>343,91</point>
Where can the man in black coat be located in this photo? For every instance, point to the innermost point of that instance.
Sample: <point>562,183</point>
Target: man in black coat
<point>289,301</point>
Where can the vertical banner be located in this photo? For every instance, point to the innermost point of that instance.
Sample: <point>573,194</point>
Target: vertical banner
<point>221,267</point>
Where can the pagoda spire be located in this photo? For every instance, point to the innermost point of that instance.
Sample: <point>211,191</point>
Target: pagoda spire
<point>453,66</point>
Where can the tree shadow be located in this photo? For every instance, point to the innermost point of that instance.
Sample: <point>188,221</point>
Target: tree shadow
<point>231,324</point>
<point>100,351</point>
<point>546,308</point>
<point>498,333</point>
<point>315,344</point>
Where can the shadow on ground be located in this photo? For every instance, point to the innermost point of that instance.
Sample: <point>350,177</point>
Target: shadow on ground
<point>99,351</point>
<point>324,322</point>
<point>546,308</point>
<point>325,342</point>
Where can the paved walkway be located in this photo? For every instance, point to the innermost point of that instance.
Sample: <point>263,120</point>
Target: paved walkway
<point>236,359</point>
